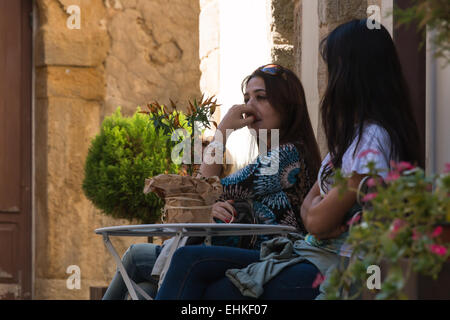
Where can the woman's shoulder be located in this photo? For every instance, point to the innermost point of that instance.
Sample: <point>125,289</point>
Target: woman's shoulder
<point>372,146</point>
<point>373,130</point>
<point>374,137</point>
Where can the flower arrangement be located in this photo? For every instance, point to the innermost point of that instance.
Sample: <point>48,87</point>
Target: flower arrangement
<point>188,197</point>
<point>194,121</point>
<point>403,220</point>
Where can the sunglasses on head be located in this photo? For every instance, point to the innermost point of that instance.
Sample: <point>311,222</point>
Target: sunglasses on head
<point>273,69</point>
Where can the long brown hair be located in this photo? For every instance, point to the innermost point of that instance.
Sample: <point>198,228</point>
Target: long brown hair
<point>285,93</point>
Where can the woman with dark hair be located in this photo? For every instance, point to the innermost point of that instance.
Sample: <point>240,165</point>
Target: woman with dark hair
<point>274,102</point>
<point>366,107</point>
<point>366,84</point>
<point>366,115</point>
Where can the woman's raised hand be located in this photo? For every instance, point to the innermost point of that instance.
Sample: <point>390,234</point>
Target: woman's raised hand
<point>234,119</point>
<point>224,211</point>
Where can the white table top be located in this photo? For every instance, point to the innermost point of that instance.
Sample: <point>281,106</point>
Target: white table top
<point>195,229</point>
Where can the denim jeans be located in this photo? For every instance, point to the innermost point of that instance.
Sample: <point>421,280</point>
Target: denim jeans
<point>138,261</point>
<point>198,272</point>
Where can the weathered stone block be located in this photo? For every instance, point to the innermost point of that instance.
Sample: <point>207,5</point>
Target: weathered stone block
<point>335,12</point>
<point>283,21</point>
<point>283,55</point>
<point>56,44</point>
<point>71,48</point>
<point>153,59</point>
<point>70,82</point>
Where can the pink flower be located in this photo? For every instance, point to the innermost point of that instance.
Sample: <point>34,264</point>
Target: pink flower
<point>392,176</point>
<point>436,232</point>
<point>438,249</point>
<point>397,224</point>
<point>371,182</point>
<point>447,167</point>
<point>366,152</point>
<point>319,279</point>
<point>369,196</point>
<point>403,165</point>
<point>415,235</point>
<point>354,219</point>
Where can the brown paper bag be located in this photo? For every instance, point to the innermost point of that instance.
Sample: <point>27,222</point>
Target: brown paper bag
<point>187,199</point>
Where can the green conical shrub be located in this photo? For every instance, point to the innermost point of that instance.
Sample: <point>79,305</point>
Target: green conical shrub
<point>126,152</point>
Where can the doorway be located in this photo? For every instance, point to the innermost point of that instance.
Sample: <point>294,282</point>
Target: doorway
<point>15,149</point>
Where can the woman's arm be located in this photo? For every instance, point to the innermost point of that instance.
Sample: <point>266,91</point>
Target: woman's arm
<point>324,218</point>
<point>311,198</point>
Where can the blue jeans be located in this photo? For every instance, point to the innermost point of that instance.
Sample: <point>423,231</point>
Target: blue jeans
<point>138,261</point>
<point>198,272</point>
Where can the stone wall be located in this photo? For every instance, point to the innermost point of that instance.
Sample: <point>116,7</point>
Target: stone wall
<point>125,53</point>
<point>282,32</point>
<point>297,36</point>
<point>154,52</point>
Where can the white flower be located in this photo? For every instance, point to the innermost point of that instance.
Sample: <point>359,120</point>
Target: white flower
<point>364,225</point>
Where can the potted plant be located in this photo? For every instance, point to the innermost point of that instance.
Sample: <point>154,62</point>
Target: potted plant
<point>188,196</point>
<point>404,229</point>
<point>125,152</point>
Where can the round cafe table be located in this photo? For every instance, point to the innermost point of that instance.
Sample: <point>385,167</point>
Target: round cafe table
<point>179,230</point>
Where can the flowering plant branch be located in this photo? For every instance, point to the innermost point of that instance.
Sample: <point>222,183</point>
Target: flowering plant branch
<point>402,219</point>
<point>167,122</point>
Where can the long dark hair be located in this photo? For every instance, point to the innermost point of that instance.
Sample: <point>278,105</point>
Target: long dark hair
<point>285,93</point>
<point>366,85</point>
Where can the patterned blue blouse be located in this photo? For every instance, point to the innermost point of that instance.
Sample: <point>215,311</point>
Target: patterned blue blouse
<point>276,193</point>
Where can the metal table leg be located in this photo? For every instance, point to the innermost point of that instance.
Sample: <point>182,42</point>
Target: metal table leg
<point>131,286</point>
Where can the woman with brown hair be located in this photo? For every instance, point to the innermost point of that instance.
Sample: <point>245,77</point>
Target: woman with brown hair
<point>274,104</point>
